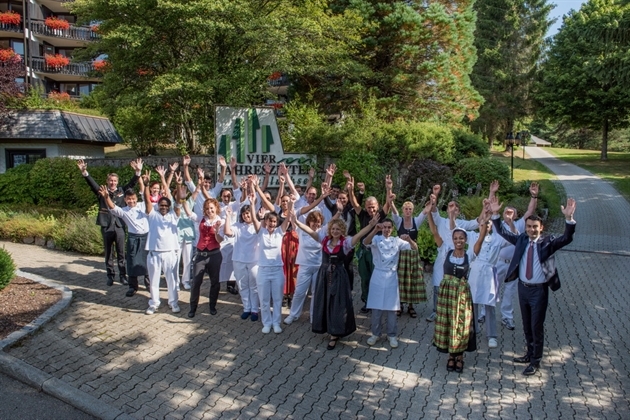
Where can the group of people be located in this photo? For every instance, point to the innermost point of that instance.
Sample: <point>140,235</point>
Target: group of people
<point>276,251</point>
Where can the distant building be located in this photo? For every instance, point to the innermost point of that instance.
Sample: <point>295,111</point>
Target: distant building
<point>32,134</point>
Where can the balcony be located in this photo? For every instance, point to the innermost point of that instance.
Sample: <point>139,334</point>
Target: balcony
<point>74,33</point>
<point>72,71</point>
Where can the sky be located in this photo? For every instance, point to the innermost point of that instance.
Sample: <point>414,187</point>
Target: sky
<point>562,8</point>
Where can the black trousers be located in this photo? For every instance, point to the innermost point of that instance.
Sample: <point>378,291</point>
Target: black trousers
<point>206,262</point>
<point>347,263</point>
<point>111,238</point>
<point>533,301</point>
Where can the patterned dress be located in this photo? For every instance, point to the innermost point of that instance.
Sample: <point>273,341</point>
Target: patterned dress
<point>290,245</point>
<point>454,332</point>
<point>410,273</point>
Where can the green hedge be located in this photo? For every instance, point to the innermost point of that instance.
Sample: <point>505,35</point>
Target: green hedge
<point>7,268</point>
<point>471,171</point>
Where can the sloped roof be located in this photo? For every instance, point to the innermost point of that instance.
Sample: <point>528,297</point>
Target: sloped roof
<point>58,125</point>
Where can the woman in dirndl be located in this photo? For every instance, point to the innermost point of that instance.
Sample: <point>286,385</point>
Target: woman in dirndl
<point>454,329</point>
<point>410,272</point>
<point>290,244</point>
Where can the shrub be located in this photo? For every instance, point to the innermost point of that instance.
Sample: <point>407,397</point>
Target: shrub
<point>470,207</point>
<point>18,226</point>
<point>426,244</point>
<point>15,185</point>
<point>7,268</point>
<point>364,167</point>
<point>469,172</point>
<point>420,176</point>
<point>469,145</point>
<point>79,233</point>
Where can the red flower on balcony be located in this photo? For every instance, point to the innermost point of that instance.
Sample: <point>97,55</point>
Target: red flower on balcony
<point>275,75</point>
<point>59,96</point>
<point>9,56</point>
<point>10,18</point>
<point>143,72</point>
<point>56,60</point>
<point>56,23</point>
<point>94,28</point>
<point>100,65</point>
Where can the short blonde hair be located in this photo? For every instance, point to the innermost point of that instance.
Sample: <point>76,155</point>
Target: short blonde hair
<point>334,222</point>
<point>408,204</point>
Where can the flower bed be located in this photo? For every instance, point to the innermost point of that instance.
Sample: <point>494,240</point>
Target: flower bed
<point>56,60</point>
<point>59,96</point>
<point>8,55</point>
<point>10,18</point>
<point>56,23</point>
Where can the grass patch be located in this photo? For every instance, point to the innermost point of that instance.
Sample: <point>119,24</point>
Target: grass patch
<point>531,170</point>
<point>616,169</point>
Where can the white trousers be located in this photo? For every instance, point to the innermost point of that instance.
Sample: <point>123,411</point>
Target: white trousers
<point>158,261</point>
<point>246,274</point>
<point>306,277</point>
<point>270,282</point>
<point>185,255</point>
<point>227,266</point>
<point>509,291</point>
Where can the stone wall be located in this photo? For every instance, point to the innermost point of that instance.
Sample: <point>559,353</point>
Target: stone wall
<point>205,161</point>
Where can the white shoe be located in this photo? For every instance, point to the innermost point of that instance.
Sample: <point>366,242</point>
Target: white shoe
<point>431,317</point>
<point>492,343</point>
<point>150,310</point>
<point>372,340</point>
<point>277,329</point>
<point>175,308</point>
<point>289,320</point>
<point>266,330</point>
<point>187,286</point>
<point>393,342</point>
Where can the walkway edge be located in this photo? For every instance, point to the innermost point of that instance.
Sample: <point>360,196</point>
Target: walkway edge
<point>43,381</point>
<point>66,298</point>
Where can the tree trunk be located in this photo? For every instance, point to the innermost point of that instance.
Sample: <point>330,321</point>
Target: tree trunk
<point>604,155</point>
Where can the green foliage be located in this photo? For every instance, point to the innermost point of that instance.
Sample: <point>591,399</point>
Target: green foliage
<point>420,176</point>
<point>7,268</point>
<point>470,207</point>
<point>469,172</point>
<point>364,167</point>
<point>15,185</point>
<point>79,233</point>
<point>468,145</point>
<point>580,85</point>
<point>426,244</point>
<point>509,37</point>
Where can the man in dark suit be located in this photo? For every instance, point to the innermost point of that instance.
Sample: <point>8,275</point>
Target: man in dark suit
<point>532,266</point>
<point>112,227</point>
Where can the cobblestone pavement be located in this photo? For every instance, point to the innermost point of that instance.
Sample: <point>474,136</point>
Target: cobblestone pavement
<point>166,365</point>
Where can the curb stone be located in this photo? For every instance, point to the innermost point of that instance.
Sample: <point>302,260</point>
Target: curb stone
<point>43,381</point>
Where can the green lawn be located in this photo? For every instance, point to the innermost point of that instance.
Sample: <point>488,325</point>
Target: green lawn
<point>615,170</point>
<point>530,170</point>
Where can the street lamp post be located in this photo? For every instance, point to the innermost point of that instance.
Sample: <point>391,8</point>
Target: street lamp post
<point>511,141</point>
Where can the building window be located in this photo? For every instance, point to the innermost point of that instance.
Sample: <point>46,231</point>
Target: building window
<point>16,157</point>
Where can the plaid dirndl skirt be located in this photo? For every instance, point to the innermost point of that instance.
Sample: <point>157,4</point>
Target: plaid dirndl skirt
<point>454,317</point>
<point>411,278</point>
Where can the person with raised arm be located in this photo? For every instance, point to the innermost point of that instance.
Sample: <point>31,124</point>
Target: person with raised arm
<point>333,312</point>
<point>384,298</point>
<point>162,246</point>
<point>270,278</point>
<point>245,255</point>
<point>445,227</point>
<point>112,227</point>
<point>137,223</point>
<point>410,269</point>
<point>186,235</point>
<point>533,266</point>
<point>206,179</point>
<point>454,329</point>
<point>226,274</point>
<point>364,254</point>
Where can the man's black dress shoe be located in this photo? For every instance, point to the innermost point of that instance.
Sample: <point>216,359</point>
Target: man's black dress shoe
<point>213,311</point>
<point>530,370</point>
<point>130,292</point>
<point>110,280</point>
<point>524,359</point>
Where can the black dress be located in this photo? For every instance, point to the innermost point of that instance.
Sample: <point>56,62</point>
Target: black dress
<point>333,312</point>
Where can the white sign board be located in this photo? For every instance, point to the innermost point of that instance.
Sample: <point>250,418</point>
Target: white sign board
<point>251,135</point>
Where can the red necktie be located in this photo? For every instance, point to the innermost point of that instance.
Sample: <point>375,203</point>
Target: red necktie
<point>529,268</point>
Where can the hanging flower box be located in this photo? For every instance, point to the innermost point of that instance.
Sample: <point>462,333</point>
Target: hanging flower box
<point>59,96</point>
<point>276,75</point>
<point>10,18</point>
<point>94,28</point>
<point>8,55</point>
<point>56,23</point>
<point>56,60</point>
<point>100,65</point>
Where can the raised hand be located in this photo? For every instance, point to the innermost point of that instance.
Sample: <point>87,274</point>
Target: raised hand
<point>311,172</point>
<point>281,179</point>
<point>200,173</point>
<point>332,168</point>
<point>182,191</point>
<point>173,166</point>
<point>495,206</point>
<point>391,197</point>
<point>389,184</point>
<point>361,186</point>
<point>374,220</point>
<point>267,168</point>
<point>350,184</point>
<point>186,160</point>
<point>222,162</point>
<point>494,186</point>
<point>325,189</point>
<point>82,165</point>
<point>103,191</point>
<point>178,178</point>
<point>147,176</point>
<point>217,225</point>
<point>346,174</point>
<point>569,209</point>
<point>228,212</point>
<point>339,206</point>
<point>232,163</point>
<point>508,215</point>
<point>160,170</point>
<point>533,189</point>
<point>405,237</point>
<point>436,189</point>
<point>379,227</point>
<point>139,165</point>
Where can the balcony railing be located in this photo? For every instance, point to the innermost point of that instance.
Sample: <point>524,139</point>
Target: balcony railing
<point>73,69</point>
<point>283,80</point>
<point>11,28</point>
<point>80,33</point>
